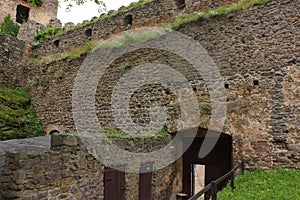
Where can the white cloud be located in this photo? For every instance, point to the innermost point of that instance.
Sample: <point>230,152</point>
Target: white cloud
<point>86,11</point>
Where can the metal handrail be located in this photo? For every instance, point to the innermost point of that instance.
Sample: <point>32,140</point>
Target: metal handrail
<point>213,185</point>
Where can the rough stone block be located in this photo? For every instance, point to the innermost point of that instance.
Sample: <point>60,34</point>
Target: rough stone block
<point>70,141</point>
<point>56,140</point>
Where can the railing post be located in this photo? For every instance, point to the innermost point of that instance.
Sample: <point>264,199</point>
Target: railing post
<point>232,180</point>
<point>214,190</point>
<point>243,166</point>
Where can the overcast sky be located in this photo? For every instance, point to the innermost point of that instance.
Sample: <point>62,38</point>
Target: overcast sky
<point>87,11</point>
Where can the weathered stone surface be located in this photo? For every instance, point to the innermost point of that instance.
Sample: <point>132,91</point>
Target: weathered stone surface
<point>39,14</point>
<point>56,140</point>
<point>68,171</point>
<point>151,14</point>
<point>255,62</point>
<point>53,23</point>
<point>11,59</point>
<point>69,25</point>
<point>257,52</point>
<point>70,141</point>
<point>29,30</point>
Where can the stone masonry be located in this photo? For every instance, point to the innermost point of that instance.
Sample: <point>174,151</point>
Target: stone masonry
<point>11,60</point>
<point>152,14</point>
<point>40,14</point>
<point>60,167</point>
<point>257,54</point>
<point>256,51</point>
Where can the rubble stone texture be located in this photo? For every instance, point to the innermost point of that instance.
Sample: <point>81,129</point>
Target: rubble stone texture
<point>255,49</point>
<point>41,14</point>
<point>60,167</point>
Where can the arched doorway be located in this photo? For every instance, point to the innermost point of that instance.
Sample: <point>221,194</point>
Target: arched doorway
<point>217,163</point>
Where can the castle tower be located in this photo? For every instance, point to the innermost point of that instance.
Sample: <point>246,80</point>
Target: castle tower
<point>21,11</point>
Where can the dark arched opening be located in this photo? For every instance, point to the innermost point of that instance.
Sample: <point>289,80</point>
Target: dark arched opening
<point>54,132</point>
<point>88,32</point>
<point>56,43</point>
<point>22,14</point>
<point>127,22</point>
<point>180,4</point>
<point>217,163</point>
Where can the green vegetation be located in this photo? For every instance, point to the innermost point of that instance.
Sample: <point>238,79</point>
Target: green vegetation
<point>80,2</point>
<point>8,27</point>
<point>276,184</point>
<point>35,3</point>
<point>128,65</point>
<point>128,37</point>
<point>125,38</point>
<point>55,32</point>
<point>188,17</point>
<point>89,46</point>
<point>182,19</point>
<point>17,116</point>
<point>47,34</point>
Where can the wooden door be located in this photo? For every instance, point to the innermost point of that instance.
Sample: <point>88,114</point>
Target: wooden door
<point>145,181</point>
<point>114,184</point>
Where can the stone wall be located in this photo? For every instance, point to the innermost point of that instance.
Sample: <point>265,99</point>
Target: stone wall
<point>152,14</point>
<point>197,5</point>
<point>11,60</point>
<point>28,31</point>
<point>39,14</point>
<point>256,51</point>
<point>60,167</point>
<point>253,47</point>
<point>32,171</point>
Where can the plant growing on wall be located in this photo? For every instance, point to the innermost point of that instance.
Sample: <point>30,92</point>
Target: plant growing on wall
<point>8,27</point>
<point>35,3</point>
<point>17,115</point>
<point>101,3</point>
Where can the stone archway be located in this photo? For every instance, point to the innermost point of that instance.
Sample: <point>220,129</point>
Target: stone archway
<point>54,129</point>
<point>217,163</point>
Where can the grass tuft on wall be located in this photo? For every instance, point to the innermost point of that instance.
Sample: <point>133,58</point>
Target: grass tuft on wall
<point>189,17</point>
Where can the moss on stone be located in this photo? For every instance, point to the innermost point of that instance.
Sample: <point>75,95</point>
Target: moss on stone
<point>17,116</point>
<point>189,17</point>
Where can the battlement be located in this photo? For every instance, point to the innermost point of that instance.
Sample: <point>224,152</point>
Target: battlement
<point>154,13</point>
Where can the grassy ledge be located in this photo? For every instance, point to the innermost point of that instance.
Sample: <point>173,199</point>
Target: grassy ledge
<point>51,33</point>
<point>278,184</point>
<point>117,41</point>
<point>127,37</point>
<point>188,17</point>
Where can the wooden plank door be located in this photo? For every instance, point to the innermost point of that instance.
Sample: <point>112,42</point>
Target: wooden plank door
<point>145,181</point>
<point>114,184</point>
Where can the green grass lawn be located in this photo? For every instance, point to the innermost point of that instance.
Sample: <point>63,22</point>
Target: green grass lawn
<point>281,184</point>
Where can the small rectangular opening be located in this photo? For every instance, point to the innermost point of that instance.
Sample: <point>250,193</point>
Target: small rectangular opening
<point>127,21</point>
<point>198,178</point>
<point>88,32</point>
<point>180,4</point>
<point>22,14</point>
<point>56,43</point>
